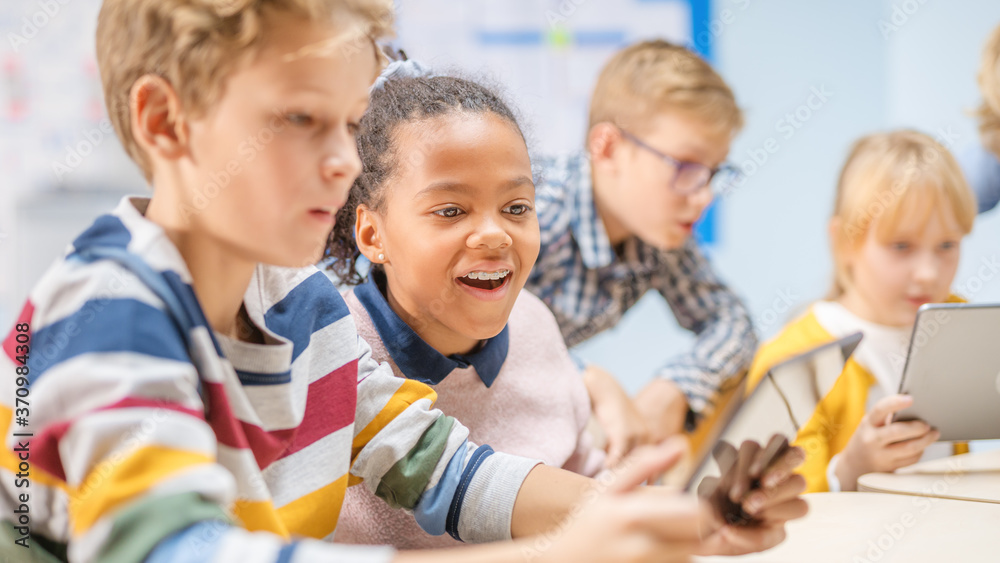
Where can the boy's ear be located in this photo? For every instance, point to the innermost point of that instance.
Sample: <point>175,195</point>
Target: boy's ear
<point>602,141</point>
<point>367,229</point>
<point>157,123</point>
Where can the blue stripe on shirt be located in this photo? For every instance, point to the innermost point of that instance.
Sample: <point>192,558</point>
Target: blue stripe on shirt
<point>312,305</point>
<point>106,325</point>
<point>194,544</point>
<point>455,512</point>
<point>250,378</point>
<point>107,230</point>
<point>431,511</point>
<point>287,553</point>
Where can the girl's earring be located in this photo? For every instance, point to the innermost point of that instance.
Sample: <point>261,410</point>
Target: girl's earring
<point>381,256</point>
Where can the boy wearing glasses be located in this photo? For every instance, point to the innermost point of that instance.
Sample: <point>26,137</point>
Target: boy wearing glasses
<point>617,222</point>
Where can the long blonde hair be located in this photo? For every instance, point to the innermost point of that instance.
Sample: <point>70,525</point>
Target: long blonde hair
<point>989,85</point>
<point>891,178</point>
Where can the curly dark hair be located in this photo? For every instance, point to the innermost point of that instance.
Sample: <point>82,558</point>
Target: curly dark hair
<point>399,101</point>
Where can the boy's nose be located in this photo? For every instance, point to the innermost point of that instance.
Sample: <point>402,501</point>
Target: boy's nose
<point>702,198</point>
<point>342,162</point>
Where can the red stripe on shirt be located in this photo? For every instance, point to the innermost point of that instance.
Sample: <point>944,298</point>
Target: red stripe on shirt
<point>45,445</point>
<point>10,344</point>
<point>235,433</point>
<point>330,406</point>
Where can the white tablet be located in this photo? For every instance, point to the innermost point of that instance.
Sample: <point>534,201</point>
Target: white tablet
<point>953,370</point>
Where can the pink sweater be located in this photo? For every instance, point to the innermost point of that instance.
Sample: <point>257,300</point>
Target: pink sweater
<point>537,407</point>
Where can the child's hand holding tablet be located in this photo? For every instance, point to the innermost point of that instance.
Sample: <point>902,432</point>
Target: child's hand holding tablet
<point>756,494</point>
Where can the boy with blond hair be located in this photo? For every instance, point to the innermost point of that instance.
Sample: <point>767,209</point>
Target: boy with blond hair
<point>188,388</point>
<point>617,221</point>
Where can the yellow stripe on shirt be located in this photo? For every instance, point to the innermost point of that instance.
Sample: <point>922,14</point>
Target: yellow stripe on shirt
<point>259,516</point>
<point>409,392</point>
<point>315,515</point>
<point>113,483</point>
<point>10,462</point>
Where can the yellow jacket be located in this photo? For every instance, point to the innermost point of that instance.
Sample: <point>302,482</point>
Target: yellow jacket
<point>838,414</point>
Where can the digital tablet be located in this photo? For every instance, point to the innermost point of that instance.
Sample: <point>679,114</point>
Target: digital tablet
<point>781,403</point>
<point>953,370</point>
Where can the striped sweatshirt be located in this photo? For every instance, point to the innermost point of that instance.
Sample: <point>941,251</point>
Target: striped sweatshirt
<point>149,435</point>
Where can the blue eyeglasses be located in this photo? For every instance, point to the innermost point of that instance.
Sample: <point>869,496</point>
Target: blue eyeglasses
<point>691,177</point>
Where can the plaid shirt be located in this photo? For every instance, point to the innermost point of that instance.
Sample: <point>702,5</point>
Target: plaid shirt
<point>589,286</point>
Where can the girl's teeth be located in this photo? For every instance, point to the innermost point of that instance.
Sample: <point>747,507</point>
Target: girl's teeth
<point>487,275</point>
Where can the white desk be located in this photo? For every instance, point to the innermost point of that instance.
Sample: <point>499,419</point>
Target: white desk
<point>869,527</point>
<point>970,477</point>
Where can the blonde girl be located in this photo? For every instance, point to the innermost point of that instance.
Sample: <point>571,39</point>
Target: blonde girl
<point>902,209</point>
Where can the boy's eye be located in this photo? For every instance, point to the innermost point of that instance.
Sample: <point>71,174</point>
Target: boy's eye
<point>353,128</point>
<point>299,119</point>
<point>517,209</point>
<point>948,245</point>
<point>448,212</point>
<point>900,246</point>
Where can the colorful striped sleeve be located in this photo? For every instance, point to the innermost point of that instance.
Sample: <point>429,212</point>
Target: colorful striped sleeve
<point>118,425</point>
<point>416,458</point>
<point>124,465</point>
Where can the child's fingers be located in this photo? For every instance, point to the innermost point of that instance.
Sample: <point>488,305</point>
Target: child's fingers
<point>760,500</point>
<point>740,540</point>
<point>725,456</point>
<point>885,407</point>
<point>646,463</point>
<point>783,467</point>
<point>775,446</point>
<point>914,447</point>
<point>902,431</point>
<point>790,509</point>
<point>907,461</point>
<point>708,486</point>
<point>742,477</point>
<point>617,448</point>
